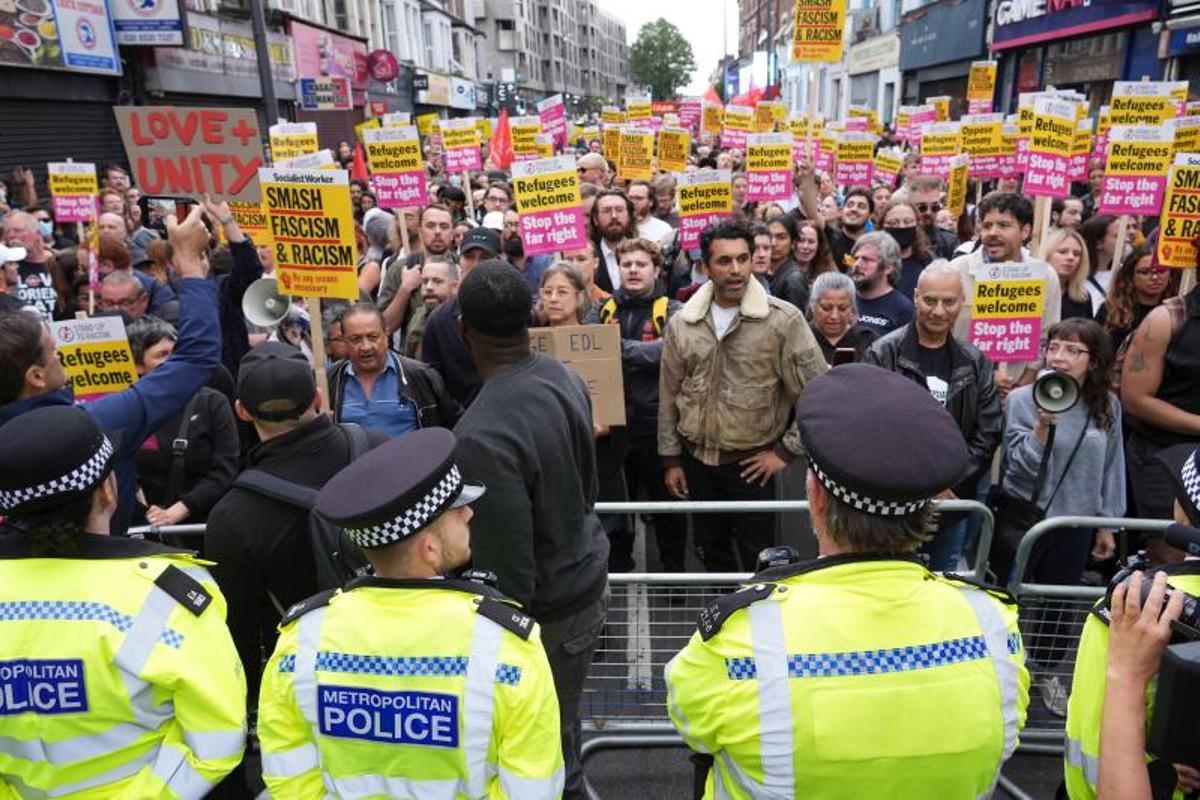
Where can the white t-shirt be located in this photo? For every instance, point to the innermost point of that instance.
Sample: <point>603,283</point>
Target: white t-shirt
<point>722,318</point>
<point>654,229</point>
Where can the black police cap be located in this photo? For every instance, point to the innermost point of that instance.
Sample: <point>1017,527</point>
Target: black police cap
<point>878,441</point>
<point>51,456</point>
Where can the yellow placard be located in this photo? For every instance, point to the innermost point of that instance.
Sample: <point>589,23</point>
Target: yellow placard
<point>941,105</point>
<point>956,188</point>
<point>252,218</point>
<point>982,138</point>
<point>935,142</point>
<point>429,124</point>
<point>484,126</point>
<point>1104,120</point>
<point>612,142</point>
<point>611,115</point>
<point>460,136</point>
<point>395,155</point>
<point>1131,104</point>
<point>1053,134</point>
<point>1180,220</point>
<point>1127,156</point>
<point>765,114</point>
<point>981,83</point>
<point>890,162</point>
<point>712,118</point>
<point>548,192</point>
<point>673,147</point>
<point>1083,137</point>
<point>65,185</point>
<point>312,223</point>
<point>739,118</point>
<point>799,127</point>
<point>1187,134</point>
<point>96,356</point>
<point>292,146</point>
<point>1009,298</point>
<point>817,30</point>
<point>637,108</point>
<point>545,145</point>
<point>854,149</point>
<point>636,155</point>
<point>525,131</point>
<point>710,197</point>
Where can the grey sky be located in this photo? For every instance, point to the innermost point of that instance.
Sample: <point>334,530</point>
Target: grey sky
<point>698,20</point>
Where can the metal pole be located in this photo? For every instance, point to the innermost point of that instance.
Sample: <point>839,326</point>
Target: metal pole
<point>259,24</point>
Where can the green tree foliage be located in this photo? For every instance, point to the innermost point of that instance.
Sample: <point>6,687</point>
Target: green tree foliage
<point>661,58</point>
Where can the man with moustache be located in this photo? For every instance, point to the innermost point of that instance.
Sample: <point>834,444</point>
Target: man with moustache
<point>857,211</point>
<point>613,220</point>
<point>925,193</point>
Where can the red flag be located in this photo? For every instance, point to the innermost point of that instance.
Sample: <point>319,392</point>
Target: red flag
<point>500,147</point>
<point>358,171</point>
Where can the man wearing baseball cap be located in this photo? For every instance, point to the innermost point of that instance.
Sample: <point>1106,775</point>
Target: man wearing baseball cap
<point>459,694</point>
<point>117,674</point>
<point>10,257</point>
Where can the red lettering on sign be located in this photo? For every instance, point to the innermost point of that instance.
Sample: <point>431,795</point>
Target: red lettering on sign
<point>211,123</point>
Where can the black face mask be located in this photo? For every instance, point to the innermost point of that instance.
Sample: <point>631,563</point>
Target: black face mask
<point>905,237</point>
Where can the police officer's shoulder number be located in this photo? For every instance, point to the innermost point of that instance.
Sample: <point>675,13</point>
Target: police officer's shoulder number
<point>506,616</point>
<point>998,592</point>
<point>186,590</point>
<point>306,605</point>
<point>714,615</point>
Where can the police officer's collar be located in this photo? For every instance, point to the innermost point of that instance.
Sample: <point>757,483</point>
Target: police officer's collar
<point>451,584</point>
<point>16,543</point>
<point>841,559</point>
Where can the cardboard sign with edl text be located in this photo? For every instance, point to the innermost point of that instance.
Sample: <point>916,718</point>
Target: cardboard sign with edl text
<point>594,352</point>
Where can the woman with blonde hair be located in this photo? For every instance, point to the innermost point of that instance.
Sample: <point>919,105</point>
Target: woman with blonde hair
<point>1067,254</point>
<point>563,297</point>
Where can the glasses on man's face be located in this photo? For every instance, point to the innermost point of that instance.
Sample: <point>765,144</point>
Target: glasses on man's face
<point>928,208</point>
<point>1066,349</point>
<point>112,305</point>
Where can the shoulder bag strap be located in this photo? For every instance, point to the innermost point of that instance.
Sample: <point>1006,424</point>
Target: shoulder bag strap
<point>1070,460</point>
<point>1040,481</point>
<point>179,449</point>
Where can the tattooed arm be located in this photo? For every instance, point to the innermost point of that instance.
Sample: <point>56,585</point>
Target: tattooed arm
<point>1142,373</point>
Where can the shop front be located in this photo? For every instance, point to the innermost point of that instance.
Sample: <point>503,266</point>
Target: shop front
<point>1082,45</point>
<point>431,93</point>
<point>324,53</point>
<point>938,42</point>
<point>1181,41</point>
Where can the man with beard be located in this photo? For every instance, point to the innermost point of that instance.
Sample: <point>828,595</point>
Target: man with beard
<point>876,266</point>
<point>925,193</point>
<point>531,267</point>
<point>399,287</point>
<point>857,211</point>
<point>613,221</point>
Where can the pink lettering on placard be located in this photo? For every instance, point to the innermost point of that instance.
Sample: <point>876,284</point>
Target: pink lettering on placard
<point>1007,339</point>
<point>399,189</point>
<point>1132,194</point>
<point>553,231</point>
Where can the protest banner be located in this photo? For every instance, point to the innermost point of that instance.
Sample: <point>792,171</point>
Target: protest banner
<point>817,30</point>
<point>888,164</point>
<point>1180,221</point>
<point>1006,318</point>
<point>611,142</point>
<point>825,152</point>
<point>594,353</point>
<point>637,107</point>
<point>635,161</point>
<point>398,119</point>
<point>325,93</point>
<point>73,190</point>
<point>956,187</point>
<point>768,167</point>
<point>1100,140</point>
<point>855,163</point>
<point>1141,103</point>
<point>704,197</point>
<point>766,114</point>
<point>903,123</point>
<point>981,87</point>
<point>545,145</point>
<point>322,159</point>
<point>855,125</point>
<point>1081,149</point>
<point>1185,134</point>
<point>940,142</point>
<point>525,131</point>
<point>190,152</point>
<point>460,140</point>
<point>611,115</point>
<point>485,125</point>
<point>312,223</point>
<point>712,118</point>
<point>397,167</point>
<point>982,140</point>
<point>739,122</point>
<point>360,130</point>
<point>941,106</point>
<point>553,114</point>
<point>673,147</point>
<point>253,220</point>
<point>549,205</point>
<point>292,139</point>
<point>1010,137</point>
<point>429,124</point>
<point>690,111</point>
<point>1135,177</point>
<point>96,356</point>
<point>867,118</point>
<point>1050,143</point>
<point>799,127</point>
<point>917,120</point>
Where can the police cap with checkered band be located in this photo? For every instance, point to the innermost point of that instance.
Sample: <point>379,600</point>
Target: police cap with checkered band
<point>878,441</point>
<point>1182,462</point>
<point>396,489</point>
<point>50,456</point>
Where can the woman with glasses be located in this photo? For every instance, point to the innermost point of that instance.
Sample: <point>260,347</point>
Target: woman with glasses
<point>1084,475</point>
<point>900,220</point>
<point>563,297</point>
<point>1136,289</point>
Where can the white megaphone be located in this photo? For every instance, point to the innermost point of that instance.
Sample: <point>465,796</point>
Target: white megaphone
<point>263,305</point>
<point>1055,392</point>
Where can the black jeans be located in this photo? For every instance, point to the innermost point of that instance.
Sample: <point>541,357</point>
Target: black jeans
<point>570,643</point>
<point>643,467</point>
<point>724,539</point>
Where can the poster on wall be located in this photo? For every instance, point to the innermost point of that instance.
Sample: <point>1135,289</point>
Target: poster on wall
<point>73,35</point>
<point>157,23</point>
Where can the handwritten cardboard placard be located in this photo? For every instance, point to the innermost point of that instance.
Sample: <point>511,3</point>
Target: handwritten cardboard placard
<point>594,353</point>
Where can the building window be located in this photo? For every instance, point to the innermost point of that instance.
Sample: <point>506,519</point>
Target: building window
<point>427,29</point>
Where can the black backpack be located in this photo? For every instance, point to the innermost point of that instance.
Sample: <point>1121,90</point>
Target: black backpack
<point>337,559</point>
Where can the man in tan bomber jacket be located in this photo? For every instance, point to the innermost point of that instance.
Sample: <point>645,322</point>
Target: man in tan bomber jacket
<point>734,363</point>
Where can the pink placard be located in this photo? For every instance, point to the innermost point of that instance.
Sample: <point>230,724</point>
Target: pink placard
<point>1077,170</point>
<point>554,230</point>
<point>1132,194</point>
<point>823,160</point>
<point>1023,152</point>
<point>979,106</point>
<point>461,159</point>
<point>691,227</point>
<point>1046,175</point>
<point>854,173</point>
<point>553,114</point>
<point>399,189</point>
<point>75,208</point>
<point>1100,148</point>
<point>1007,338</point>
<point>768,186</point>
<point>689,114</point>
<point>936,165</point>
<point>325,53</point>
<point>731,137</point>
<point>986,167</point>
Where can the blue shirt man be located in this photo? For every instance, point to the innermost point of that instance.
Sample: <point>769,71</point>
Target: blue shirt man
<point>371,394</point>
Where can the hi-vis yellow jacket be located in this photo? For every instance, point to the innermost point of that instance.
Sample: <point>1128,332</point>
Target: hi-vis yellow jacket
<point>410,688</point>
<point>1081,759</point>
<point>118,677</point>
<point>853,676</point>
